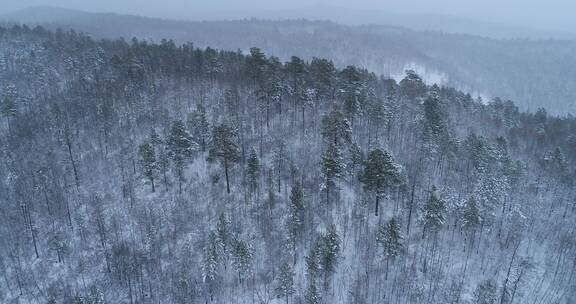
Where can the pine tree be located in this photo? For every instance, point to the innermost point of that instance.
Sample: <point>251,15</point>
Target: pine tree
<point>380,173</point>
<point>210,263</point>
<point>162,155</point>
<point>279,158</point>
<point>390,238</point>
<point>256,65</point>
<point>412,87</point>
<point>351,89</point>
<point>478,153</point>
<point>378,115</point>
<point>181,148</point>
<point>285,282</point>
<point>356,159</point>
<point>163,164</point>
<point>253,171</point>
<point>470,215</point>
<point>242,256</point>
<point>295,222</point>
<point>148,162</point>
<point>556,161</point>
<point>210,259</point>
<point>328,252</point>
<point>8,110</point>
<point>302,95</point>
<point>433,216</point>
<point>199,126</point>
<point>155,140</point>
<point>8,107</point>
<point>437,136</point>
<point>224,149</point>
<point>336,129</point>
<point>312,295</point>
<point>223,236</point>
<point>490,192</point>
<point>332,165</point>
<point>324,74</point>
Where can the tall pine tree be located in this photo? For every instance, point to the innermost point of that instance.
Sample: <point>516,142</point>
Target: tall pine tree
<point>224,149</point>
<point>380,173</point>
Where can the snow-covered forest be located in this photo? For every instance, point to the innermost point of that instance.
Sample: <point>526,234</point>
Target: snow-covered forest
<point>533,73</point>
<point>139,172</point>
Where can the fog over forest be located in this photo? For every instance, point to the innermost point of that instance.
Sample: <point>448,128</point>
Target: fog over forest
<point>547,15</point>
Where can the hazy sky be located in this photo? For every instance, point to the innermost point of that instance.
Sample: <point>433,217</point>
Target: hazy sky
<point>551,14</point>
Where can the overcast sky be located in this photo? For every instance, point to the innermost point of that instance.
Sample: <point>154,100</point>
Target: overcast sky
<point>546,14</point>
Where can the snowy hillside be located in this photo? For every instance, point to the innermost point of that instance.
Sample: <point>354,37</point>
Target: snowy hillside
<point>139,172</point>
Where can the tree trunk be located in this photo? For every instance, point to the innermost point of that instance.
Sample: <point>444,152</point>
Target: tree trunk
<point>180,173</point>
<point>505,285</point>
<point>327,192</point>
<point>410,210</point>
<point>303,123</point>
<point>76,178</point>
<point>226,173</point>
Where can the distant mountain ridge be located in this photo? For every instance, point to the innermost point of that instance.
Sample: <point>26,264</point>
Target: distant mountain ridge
<point>418,22</point>
<point>533,73</point>
<point>347,16</point>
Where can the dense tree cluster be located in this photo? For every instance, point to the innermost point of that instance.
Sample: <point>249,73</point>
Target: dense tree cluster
<point>137,172</point>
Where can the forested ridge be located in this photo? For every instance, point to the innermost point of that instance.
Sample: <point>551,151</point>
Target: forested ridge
<point>138,172</point>
<point>533,73</point>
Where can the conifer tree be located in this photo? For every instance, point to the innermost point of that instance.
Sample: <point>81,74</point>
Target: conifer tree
<point>412,87</point>
<point>471,215</point>
<point>433,213</point>
<point>285,282</point>
<point>478,153</point>
<point>437,136</point>
<point>490,192</point>
<point>148,162</point>
<point>391,239</point>
<point>242,256</point>
<point>279,159</point>
<point>312,295</point>
<point>323,72</point>
<point>210,258</point>
<point>199,127</point>
<point>351,89</point>
<point>8,110</point>
<point>253,171</point>
<point>181,147</point>
<point>380,173</point>
<point>332,165</point>
<point>336,129</point>
<point>210,263</point>
<point>223,236</point>
<point>328,252</point>
<point>224,149</point>
<point>356,159</point>
<point>296,215</point>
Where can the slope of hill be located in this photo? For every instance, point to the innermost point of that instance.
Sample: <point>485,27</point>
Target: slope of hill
<point>136,172</point>
<point>532,73</point>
